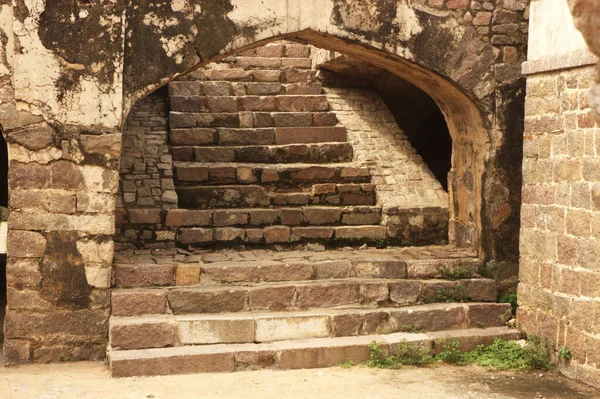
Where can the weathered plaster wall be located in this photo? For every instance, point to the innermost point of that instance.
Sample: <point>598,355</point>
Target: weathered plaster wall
<point>77,67</point>
<point>552,31</point>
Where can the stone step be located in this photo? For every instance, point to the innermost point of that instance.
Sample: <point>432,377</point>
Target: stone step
<point>293,153</point>
<point>287,74</point>
<point>295,354</point>
<point>272,62</point>
<point>185,126</point>
<point>196,237</point>
<point>225,88</point>
<point>218,269</point>
<point>293,295</point>
<point>279,50</point>
<point>170,330</point>
<point>218,173</point>
<point>257,136</point>
<point>254,196</point>
<point>300,216</point>
<point>262,103</point>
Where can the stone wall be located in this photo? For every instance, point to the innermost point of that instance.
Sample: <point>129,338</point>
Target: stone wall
<point>559,290</point>
<point>69,71</point>
<point>146,189</point>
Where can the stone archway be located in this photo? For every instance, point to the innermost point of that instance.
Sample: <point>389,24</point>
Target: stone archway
<point>465,120</point>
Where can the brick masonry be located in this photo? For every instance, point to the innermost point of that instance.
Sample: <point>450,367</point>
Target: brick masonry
<point>146,189</point>
<point>559,288</point>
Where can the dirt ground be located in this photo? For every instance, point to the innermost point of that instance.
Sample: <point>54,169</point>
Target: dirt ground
<point>89,380</point>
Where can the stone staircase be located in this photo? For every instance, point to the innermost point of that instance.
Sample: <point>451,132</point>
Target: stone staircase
<point>223,311</point>
<point>259,159</point>
<point>260,164</point>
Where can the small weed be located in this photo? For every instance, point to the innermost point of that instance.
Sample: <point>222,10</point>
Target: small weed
<point>510,297</point>
<point>457,294</point>
<point>381,243</point>
<point>538,353</point>
<point>377,357</point>
<point>565,353</point>
<point>480,324</point>
<point>347,364</point>
<point>461,273</point>
<point>406,354</point>
<point>487,270</point>
<point>451,353</point>
<point>501,355</point>
<point>414,329</point>
<point>510,355</point>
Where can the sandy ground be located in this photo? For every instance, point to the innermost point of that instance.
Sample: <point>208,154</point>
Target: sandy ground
<point>92,380</point>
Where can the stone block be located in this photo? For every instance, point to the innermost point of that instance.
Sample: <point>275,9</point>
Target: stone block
<point>141,334</point>
<point>313,174</point>
<point>138,302</point>
<point>70,324</point>
<point>181,360</point>
<point>324,352</point>
<point>262,216</point>
<point>322,215</point>
<point>377,292</point>
<point>366,233</point>
<point>312,232</point>
<point>327,294</point>
<point>291,327</point>
<point>293,135</point>
<point>184,301</point>
<point>218,330</point>
<point>347,324</point>
<point>433,317</point>
<point>230,217</point>
<point>291,216</point>
<point>276,234</point>
<point>187,274</point>
<point>333,269</point>
<point>195,235</point>
<point>259,357</point>
<point>17,351</point>
<point>144,216</point>
<point>405,292</point>
<point>25,244</point>
<point>140,275</point>
<point>33,138</point>
<point>229,234</point>
<point>23,273</point>
<point>258,103</point>
<point>272,298</point>
<point>246,136</point>
<point>380,268</point>
<point>108,145</point>
<point>189,137</point>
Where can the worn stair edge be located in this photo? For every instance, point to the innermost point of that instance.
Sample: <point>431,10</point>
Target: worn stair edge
<point>252,271</point>
<point>313,294</point>
<point>171,330</point>
<point>285,355</point>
